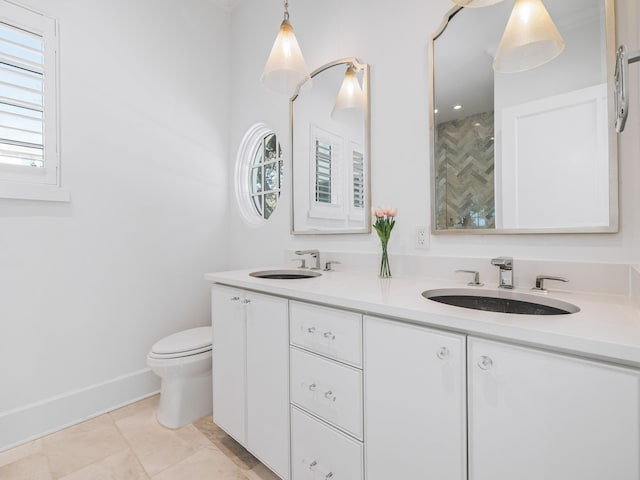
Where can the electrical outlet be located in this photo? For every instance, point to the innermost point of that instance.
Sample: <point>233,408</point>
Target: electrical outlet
<point>422,236</point>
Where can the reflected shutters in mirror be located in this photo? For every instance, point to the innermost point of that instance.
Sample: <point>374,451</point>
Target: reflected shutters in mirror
<point>358,179</point>
<point>330,153</point>
<point>323,172</point>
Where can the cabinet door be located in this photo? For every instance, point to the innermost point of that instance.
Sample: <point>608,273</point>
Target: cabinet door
<point>415,402</point>
<point>268,381</point>
<point>229,400</point>
<point>535,415</point>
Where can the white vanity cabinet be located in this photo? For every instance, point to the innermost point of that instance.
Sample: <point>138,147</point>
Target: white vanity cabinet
<point>326,393</point>
<point>251,372</point>
<point>321,392</point>
<point>415,402</point>
<point>537,415</point>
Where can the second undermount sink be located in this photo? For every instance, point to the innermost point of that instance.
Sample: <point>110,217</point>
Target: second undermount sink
<point>285,274</point>
<point>500,301</point>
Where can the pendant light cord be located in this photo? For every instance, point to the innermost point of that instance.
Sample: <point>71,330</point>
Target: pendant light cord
<point>286,10</point>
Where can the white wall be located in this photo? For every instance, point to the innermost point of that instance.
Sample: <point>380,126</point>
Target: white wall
<point>87,287</point>
<point>393,37</point>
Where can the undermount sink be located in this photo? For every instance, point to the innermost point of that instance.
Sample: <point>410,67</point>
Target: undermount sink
<point>500,301</point>
<point>285,274</point>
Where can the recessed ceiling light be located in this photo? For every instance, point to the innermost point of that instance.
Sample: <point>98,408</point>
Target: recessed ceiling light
<point>435,110</point>
<point>457,107</point>
<point>477,124</point>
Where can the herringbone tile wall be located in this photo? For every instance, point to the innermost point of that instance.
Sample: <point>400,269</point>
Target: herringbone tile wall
<point>464,173</point>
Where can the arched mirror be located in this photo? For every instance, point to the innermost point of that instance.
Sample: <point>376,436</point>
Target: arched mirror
<point>330,151</point>
<point>527,152</point>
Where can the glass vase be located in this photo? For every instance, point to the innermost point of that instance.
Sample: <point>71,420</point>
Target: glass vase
<point>385,270</point>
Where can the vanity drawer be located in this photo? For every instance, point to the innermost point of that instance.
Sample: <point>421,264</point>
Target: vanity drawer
<point>327,389</point>
<point>328,331</point>
<point>320,452</point>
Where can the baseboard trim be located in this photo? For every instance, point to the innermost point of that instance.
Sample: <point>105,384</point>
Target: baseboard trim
<point>35,420</point>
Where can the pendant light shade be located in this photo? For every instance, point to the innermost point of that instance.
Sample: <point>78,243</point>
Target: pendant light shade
<point>285,68</point>
<point>350,96</point>
<point>476,3</point>
<point>530,39</point>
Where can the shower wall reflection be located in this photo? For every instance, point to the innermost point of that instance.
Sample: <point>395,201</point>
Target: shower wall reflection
<point>465,173</point>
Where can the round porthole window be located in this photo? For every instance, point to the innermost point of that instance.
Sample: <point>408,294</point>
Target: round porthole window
<point>259,173</point>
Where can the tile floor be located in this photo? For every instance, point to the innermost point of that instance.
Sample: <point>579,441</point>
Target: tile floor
<point>129,444</point>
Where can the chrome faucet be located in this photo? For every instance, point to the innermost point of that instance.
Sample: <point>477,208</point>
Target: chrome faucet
<point>476,277</point>
<point>506,271</point>
<point>540,282</point>
<point>315,254</point>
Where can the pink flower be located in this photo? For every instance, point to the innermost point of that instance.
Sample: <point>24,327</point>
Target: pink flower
<point>390,212</point>
<point>377,212</point>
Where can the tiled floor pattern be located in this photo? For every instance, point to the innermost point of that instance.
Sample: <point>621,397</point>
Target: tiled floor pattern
<point>129,444</point>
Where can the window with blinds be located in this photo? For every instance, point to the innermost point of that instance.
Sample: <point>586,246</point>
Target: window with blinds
<point>21,97</point>
<point>358,179</point>
<point>29,153</point>
<point>323,171</point>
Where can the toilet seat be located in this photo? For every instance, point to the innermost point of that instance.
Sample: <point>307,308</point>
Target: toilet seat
<point>183,344</point>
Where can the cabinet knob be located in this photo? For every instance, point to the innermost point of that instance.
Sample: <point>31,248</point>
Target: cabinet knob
<point>329,335</point>
<point>312,465</point>
<point>485,363</point>
<point>312,387</point>
<point>328,475</point>
<point>329,396</point>
<point>311,329</point>
<point>235,299</point>
<point>246,301</point>
<point>443,353</point>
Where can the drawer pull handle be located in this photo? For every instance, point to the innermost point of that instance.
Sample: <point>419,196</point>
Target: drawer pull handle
<point>329,396</point>
<point>485,363</point>
<point>329,335</point>
<point>312,466</point>
<point>312,387</point>
<point>443,353</point>
<point>235,299</point>
<point>311,329</point>
<point>246,301</point>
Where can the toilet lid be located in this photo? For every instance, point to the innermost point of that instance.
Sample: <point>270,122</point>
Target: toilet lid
<point>193,340</point>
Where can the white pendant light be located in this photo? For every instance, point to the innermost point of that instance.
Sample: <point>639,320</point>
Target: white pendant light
<point>285,68</point>
<point>476,3</point>
<point>530,39</point>
<point>350,96</point>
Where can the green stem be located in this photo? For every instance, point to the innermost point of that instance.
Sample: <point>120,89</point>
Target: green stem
<point>385,269</point>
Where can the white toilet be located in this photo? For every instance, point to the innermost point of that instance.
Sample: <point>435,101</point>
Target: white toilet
<point>183,361</point>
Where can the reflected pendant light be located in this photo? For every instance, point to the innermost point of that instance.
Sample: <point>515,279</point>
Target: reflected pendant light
<point>476,3</point>
<point>350,96</point>
<point>285,68</point>
<point>530,39</point>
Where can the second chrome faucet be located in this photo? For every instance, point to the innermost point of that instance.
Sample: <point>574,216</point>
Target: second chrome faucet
<point>315,254</point>
<point>505,264</point>
<point>506,271</point>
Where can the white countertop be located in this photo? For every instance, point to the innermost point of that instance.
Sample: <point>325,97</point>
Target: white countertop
<point>606,327</point>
